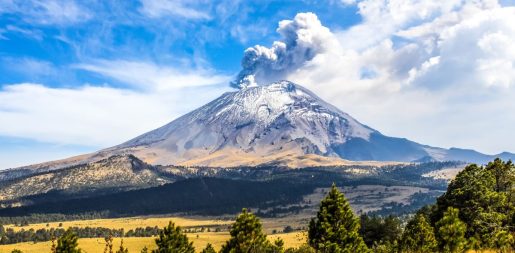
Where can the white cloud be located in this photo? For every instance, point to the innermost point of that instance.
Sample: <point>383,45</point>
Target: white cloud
<point>29,67</point>
<point>94,116</point>
<point>243,33</point>
<point>149,76</point>
<point>104,116</point>
<point>348,2</point>
<point>31,33</point>
<point>48,12</point>
<point>171,8</point>
<point>441,73</point>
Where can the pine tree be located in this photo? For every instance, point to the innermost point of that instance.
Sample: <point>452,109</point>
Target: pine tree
<point>473,192</point>
<point>305,248</point>
<point>377,230</point>
<point>172,240</point>
<point>418,236</point>
<point>278,246</point>
<point>209,249</point>
<point>246,235</point>
<point>451,232</point>
<point>122,249</point>
<point>53,248</point>
<point>335,228</point>
<point>67,243</point>
<point>109,244</point>
<point>504,241</point>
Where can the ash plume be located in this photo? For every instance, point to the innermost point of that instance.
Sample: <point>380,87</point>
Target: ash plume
<point>301,40</point>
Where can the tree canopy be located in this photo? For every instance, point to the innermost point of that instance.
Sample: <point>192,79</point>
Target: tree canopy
<point>246,235</point>
<point>451,232</point>
<point>172,240</point>
<point>67,243</point>
<point>485,198</point>
<point>418,236</point>
<point>335,227</point>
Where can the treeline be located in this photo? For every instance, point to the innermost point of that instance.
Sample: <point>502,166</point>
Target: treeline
<point>53,217</point>
<point>10,236</point>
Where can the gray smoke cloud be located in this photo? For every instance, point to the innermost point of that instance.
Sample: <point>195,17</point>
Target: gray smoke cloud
<point>301,40</point>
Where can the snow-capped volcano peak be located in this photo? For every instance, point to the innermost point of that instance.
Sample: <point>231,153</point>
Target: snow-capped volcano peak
<point>276,122</point>
<point>280,123</point>
<point>263,105</point>
<point>259,120</point>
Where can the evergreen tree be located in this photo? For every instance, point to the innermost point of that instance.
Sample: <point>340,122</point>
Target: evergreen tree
<point>278,246</point>
<point>451,232</point>
<point>53,248</point>
<point>109,244</point>
<point>474,243</point>
<point>172,240</point>
<point>503,173</point>
<point>209,249</point>
<point>305,248</point>
<point>122,249</point>
<point>246,235</point>
<point>335,228</point>
<point>418,236</point>
<point>377,230</point>
<point>504,241</point>
<point>67,243</point>
<point>485,200</point>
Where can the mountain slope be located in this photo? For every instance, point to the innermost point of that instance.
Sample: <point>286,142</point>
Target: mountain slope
<point>117,173</point>
<point>268,123</point>
<point>251,124</point>
<point>281,123</point>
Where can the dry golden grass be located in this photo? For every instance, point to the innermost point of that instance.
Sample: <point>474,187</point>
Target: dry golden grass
<point>88,245</point>
<point>127,223</point>
<point>291,240</point>
<point>135,244</point>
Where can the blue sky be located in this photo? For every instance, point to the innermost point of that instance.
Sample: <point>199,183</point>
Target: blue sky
<point>77,76</point>
<point>214,36</point>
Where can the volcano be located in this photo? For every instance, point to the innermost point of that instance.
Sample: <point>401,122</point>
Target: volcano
<point>280,123</point>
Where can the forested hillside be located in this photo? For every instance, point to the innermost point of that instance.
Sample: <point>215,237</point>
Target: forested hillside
<point>477,212</point>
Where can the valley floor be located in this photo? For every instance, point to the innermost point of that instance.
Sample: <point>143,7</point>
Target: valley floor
<point>135,244</point>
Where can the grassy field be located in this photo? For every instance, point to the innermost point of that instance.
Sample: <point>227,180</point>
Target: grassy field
<point>127,223</point>
<point>135,244</point>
